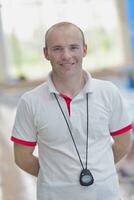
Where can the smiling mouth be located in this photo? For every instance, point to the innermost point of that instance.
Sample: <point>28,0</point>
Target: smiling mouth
<point>67,64</point>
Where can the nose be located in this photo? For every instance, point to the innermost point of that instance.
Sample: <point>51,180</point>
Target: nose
<point>66,54</point>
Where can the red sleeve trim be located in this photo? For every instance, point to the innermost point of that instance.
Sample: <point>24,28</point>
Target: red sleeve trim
<point>26,143</point>
<point>123,130</point>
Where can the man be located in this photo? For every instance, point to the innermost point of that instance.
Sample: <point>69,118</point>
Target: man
<point>73,118</point>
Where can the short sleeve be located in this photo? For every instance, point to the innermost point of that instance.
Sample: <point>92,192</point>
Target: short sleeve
<point>119,121</point>
<point>24,131</point>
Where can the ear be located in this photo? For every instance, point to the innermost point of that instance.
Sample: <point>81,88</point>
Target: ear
<point>45,51</point>
<point>85,50</point>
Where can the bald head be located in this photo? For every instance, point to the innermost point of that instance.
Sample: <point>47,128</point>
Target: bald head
<point>64,25</point>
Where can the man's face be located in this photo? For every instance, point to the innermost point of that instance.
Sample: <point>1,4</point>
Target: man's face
<point>65,50</point>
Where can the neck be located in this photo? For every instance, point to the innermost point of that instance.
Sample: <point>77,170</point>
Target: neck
<point>69,86</point>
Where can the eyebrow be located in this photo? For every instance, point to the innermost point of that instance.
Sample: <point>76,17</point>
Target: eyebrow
<point>74,45</point>
<point>55,46</point>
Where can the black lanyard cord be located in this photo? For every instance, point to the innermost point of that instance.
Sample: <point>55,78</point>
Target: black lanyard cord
<point>87,134</point>
<point>72,134</point>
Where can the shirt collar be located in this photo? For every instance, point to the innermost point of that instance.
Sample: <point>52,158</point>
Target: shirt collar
<point>87,88</point>
<point>50,85</point>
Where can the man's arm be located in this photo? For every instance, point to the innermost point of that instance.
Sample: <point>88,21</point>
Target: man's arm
<point>25,159</point>
<point>121,146</point>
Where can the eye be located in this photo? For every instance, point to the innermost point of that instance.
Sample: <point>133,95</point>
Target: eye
<point>75,47</point>
<point>57,49</point>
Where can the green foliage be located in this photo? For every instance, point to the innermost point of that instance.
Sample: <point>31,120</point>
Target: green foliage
<point>16,54</point>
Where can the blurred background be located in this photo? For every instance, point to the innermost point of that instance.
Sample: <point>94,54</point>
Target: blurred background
<point>108,26</point>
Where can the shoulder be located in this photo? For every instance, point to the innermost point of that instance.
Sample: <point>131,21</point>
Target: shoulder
<point>33,95</point>
<point>104,86</point>
<point>106,92</point>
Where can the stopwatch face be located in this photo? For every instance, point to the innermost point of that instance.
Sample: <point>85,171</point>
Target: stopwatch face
<point>86,178</point>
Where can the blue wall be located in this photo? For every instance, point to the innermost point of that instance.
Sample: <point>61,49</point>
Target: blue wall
<point>130,14</point>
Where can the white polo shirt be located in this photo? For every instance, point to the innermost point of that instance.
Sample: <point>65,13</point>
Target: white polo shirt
<point>39,120</point>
